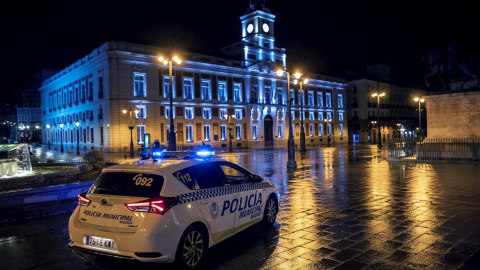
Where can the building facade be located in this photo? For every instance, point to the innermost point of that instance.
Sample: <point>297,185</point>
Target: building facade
<point>395,116</point>
<point>239,94</point>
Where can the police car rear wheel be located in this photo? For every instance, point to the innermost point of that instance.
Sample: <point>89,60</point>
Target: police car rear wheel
<point>192,247</point>
<point>270,213</point>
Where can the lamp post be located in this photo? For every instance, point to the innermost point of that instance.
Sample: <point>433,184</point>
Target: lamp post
<point>379,95</point>
<point>230,127</point>
<point>300,80</point>
<point>327,123</point>
<point>172,144</point>
<point>48,136</point>
<point>373,124</point>
<point>291,163</point>
<point>130,126</point>
<point>419,100</point>
<point>78,138</point>
<point>61,137</point>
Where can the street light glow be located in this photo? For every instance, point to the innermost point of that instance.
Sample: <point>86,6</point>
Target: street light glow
<point>297,75</point>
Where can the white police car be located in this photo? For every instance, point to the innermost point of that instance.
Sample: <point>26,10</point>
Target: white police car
<point>169,209</point>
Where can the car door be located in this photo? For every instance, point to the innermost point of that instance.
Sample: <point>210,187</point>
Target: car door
<point>214,199</point>
<point>247,203</point>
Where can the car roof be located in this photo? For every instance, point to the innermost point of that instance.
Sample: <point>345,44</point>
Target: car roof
<point>159,167</point>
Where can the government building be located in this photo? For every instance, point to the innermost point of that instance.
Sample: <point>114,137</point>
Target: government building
<point>121,91</point>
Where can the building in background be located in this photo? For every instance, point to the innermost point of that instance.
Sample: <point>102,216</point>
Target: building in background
<point>398,112</point>
<point>213,97</point>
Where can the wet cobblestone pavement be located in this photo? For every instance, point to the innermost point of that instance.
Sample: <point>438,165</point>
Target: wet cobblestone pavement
<point>342,208</point>
<point>350,208</point>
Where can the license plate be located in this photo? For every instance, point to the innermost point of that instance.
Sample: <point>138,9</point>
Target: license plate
<point>99,242</point>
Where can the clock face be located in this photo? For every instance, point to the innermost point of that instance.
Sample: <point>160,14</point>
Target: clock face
<point>250,28</point>
<point>265,27</point>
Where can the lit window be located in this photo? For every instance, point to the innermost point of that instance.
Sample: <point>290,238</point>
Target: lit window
<point>311,116</point>
<point>166,87</point>
<point>140,133</point>
<point>279,96</point>
<point>167,112</point>
<point>223,113</point>
<point>340,100</point>
<point>329,129</point>
<point>340,116</point>
<point>311,130</point>
<point>310,99</point>
<point>238,114</point>
<point>206,93</point>
<point>340,126</point>
<point>267,94</point>
<point>320,99</point>
<point>188,88</point>
<point>254,132</point>
<point>206,133</point>
<point>292,96</point>
<point>329,115</point>
<point>328,100</point>
<point>222,91</point>
<point>236,93</point>
<point>292,115</point>
<point>188,113</point>
<point>253,94</point>
<point>320,116</point>
<point>139,84</point>
<point>320,130</point>
<point>189,131</point>
<point>207,113</point>
<point>142,111</point>
<point>280,131</point>
<point>238,132</point>
<point>223,132</point>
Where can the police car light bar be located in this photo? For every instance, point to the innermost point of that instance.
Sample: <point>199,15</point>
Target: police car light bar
<point>205,153</point>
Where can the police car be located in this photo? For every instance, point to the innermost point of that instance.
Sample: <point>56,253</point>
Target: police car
<point>171,208</point>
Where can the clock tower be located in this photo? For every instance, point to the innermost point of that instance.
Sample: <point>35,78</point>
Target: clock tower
<point>258,39</point>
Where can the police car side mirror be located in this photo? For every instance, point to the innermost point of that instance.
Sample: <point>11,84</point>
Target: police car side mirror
<point>257,178</point>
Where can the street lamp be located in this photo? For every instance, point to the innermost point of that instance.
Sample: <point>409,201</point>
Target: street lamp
<point>291,163</point>
<point>299,79</point>
<point>230,127</point>
<point>373,124</point>
<point>379,95</point>
<point>419,100</point>
<point>130,126</point>
<point>48,136</point>
<point>327,123</point>
<point>172,145</point>
<point>78,138</point>
<point>61,137</point>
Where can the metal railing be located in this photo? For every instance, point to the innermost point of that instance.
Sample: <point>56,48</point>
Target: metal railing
<point>449,149</point>
<point>403,147</point>
<point>467,149</point>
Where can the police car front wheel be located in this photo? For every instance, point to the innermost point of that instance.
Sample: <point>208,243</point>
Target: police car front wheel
<point>271,210</point>
<point>192,247</point>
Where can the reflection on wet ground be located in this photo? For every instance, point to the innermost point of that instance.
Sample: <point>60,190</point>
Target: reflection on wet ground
<point>342,208</point>
<point>350,208</point>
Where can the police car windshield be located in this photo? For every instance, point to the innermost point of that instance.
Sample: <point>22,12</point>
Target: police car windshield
<point>128,184</point>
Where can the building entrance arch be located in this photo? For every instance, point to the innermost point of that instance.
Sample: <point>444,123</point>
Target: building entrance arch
<point>268,130</point>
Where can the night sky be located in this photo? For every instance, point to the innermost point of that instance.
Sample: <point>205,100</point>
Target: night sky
<point>326,37</point>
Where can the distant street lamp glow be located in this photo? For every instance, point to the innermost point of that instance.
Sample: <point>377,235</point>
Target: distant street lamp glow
<point>419,100</point>
<point>379,95</point>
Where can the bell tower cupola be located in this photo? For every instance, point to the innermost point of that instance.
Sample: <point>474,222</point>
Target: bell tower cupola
<point>258,37</point>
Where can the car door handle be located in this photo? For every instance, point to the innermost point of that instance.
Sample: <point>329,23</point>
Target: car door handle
<point>205,202</point>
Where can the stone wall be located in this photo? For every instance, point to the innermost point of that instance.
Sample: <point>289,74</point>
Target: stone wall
<point>455,115</point>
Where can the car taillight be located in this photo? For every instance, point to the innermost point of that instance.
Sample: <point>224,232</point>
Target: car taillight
<point>157,205</point>
<point>82,199</point>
